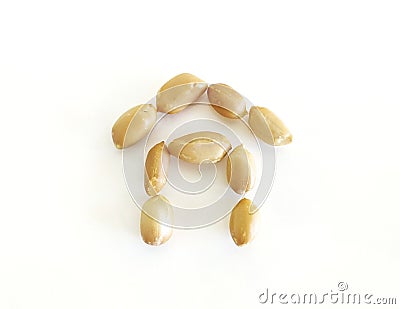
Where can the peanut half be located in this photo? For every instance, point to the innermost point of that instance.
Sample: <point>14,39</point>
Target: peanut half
<point>268,127</point>
<point>200,147</point>
<point>156,168</point>
<point>177,93</point>
<point>155,220</point>
<point>243,222</point>
<point>226,101</point>
<point>133,125</point>
<point>240,170</point>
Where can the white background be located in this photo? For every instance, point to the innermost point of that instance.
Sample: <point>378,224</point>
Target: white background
<point>69,232</point>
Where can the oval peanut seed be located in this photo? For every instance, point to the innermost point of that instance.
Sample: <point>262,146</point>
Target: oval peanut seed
<point>226,101</point>
<point>268,127</point>
<point>156,220</point>
<point>200,147</point>
<point>177,93</point>
<point>133,125</point>
<point>156,168</point>
<point>243,222</point>
<point>240,170</point>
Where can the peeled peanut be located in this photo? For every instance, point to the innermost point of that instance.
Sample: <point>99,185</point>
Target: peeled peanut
<point>243,222</point>
<point>156,220</point>
<point>268,127</point>
<point>156,168</point>
<point>177,93</point>
<point>240,170</point>
<point>226,101</point>
<point>200,147</point>
<point>133,125</point>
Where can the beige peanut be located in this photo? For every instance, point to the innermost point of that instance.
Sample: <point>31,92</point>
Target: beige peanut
<point>156,169</point>
<point>240,170</point>
<point>226,101</point>
<point>133,125</point>
<point>268,127</point>
<point>200,147</point>
<point>156,220</point>
<point>243,222</point>
<point>177,93</point>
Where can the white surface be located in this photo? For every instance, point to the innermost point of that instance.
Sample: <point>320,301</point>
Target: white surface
<point>69,234</point>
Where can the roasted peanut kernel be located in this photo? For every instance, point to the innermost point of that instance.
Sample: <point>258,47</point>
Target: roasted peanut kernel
<point>200,147</point>
<point>226,101</point>
<point>156,169</point>
<point>177,93</point>
<point>268,127</point>
<point>243,222</point>
<point>240,170</point>
<point>155,220</point>
<point>133,125</point>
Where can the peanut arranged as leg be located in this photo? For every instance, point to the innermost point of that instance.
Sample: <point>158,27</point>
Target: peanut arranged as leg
<point>156,220</point>
<point>200,147</point>
<point>133,125</point>
<point>243,222</point>
<point>176,94</point>
<point>156,169</point>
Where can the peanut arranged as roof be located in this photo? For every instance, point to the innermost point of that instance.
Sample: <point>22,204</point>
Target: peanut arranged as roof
<point>157,218</point>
